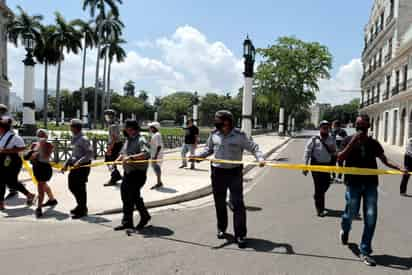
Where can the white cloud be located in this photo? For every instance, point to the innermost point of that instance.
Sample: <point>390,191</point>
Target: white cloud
<point>342,87</point>
<point>186,60</point>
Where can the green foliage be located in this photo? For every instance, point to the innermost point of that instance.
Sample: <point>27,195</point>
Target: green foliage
<point>289,75</point>
<point>344,113</point>
<point>175,106</point>
<point>211,103</point>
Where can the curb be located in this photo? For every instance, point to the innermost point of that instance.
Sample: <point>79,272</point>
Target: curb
<point>193,195</point>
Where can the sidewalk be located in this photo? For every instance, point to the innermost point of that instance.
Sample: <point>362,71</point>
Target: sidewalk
<point>179,184</point>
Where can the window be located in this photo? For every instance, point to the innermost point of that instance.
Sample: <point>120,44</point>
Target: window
<point>405,77</point>
<point>392,8</point>
<point>380,58</point>
<point>378,92</point>
<point>382,19</point>
<point>388,86</point>
<point>389,49</point>
<point>395,127</point>
<point>385,134</point>
<point>397,81</point>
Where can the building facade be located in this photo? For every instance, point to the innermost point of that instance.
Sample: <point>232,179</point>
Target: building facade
<point>5,84</point>
<point>387,80</point>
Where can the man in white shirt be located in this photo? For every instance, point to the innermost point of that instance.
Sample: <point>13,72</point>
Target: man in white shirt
<point>156,152</point>
<point>10,162</point>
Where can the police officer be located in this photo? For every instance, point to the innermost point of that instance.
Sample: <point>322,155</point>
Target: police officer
<point>82,155</point>
<point>228,143</point>
<point>114,146</point>
<point>320,150</point>
<point>135,148</point>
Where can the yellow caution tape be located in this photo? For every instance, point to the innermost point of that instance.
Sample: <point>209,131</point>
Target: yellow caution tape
<point>301,167</point>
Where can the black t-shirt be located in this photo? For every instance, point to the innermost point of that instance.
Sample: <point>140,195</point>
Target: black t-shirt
<point>190,134</point>
<point>363,155</point>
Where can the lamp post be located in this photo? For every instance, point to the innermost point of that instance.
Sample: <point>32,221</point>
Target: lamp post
<point>29,122</point>
<point>249,54</point>
<point>195,101</point>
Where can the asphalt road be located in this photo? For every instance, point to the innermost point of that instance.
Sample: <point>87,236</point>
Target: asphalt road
<point>285,236</point>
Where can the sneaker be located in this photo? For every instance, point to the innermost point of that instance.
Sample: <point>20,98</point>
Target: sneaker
<point>159,185</point>
<point>368,260</point>
<point>11,195</point>
<point>344,237</point>
<point>143,222</point>
<point>50,203</point>
<point>38,213</point>
<point>221,235</point>
<point>241,242</point>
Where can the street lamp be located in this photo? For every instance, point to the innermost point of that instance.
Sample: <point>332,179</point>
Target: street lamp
<point>195,102</point>
<point>249,54</point>
<point>29,122</point>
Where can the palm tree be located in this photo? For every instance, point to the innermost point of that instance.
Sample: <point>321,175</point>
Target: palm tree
<point>66,38</point>
<point>89,41</point>
<point>46,53</point>
<point>106,22</point>
<point>22,26</point>
<point>114,51</point>
<point>129,88</point>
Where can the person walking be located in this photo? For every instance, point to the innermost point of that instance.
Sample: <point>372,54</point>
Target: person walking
<point>339,135</point>
<point>4,112</point>
<point>320,150</point>
<point>408,166</point>
<point>79,173</point>
<point>39,155</point>
<point>190,144</point>
<point>114,146</point>
<point>156,152</point>
<point>11,145</point>
<point>228,143</point>
<point>361,150</point>
<point>135,149</point>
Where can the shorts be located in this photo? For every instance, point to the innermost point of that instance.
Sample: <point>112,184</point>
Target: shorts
<point>42,171</point>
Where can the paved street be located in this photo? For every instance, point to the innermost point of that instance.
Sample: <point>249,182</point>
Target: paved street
<point>285,237</point>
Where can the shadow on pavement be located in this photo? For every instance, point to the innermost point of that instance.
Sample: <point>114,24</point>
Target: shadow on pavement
<point>28,211</point>
<point>153,231</point>
<point>395,262</point>
<point>16,201</point>
<point>253,208</point>
<point>338,214</point>
<point>167,190</point>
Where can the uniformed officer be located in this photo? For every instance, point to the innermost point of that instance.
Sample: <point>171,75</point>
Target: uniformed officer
<point>135,148</point>
<point>228,143</point>
<point>114,146</point>
<point>82,155</point>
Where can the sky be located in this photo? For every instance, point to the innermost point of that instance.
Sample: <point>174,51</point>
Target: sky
<point>187,45</point>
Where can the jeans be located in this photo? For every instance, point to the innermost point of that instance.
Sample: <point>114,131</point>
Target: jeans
<point>405,178</point>
<point>232,179</point>
<point>186,149</point>
<point>369,193</point>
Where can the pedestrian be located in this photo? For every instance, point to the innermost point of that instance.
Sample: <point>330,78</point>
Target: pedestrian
<point>39,155</point>
<point>11,145</point>
<point>320,150</point>
<point>228,143</point>
<point>190,144</point>
<point>114,146</point>
<point>4,112</point>
<point>79,170</point>
<point>134,150</point>
<point>408,166</point>
<point>156,152</point>
<point>361,150</point>
<point>339,135</point>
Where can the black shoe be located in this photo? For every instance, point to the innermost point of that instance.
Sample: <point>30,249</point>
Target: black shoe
<point>221,235</point>
<point>344,237</point>
<point>403,194</point>
<point>368,260</point>
<point>74,210</point>
<point>38,213</point>
<point>110,183</point>
<point>80,214</point>
<point>241,242</point>
<point>322,213</point>
<point>182,166</point>
<point>144,220</point>
<point>122,227</point>
<point>11,195</point>
<point>50,203</point>
<point>158,185</point>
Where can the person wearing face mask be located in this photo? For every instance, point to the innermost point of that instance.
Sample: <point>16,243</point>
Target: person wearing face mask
<point>320,150</point>
<point>228,143</point>
<point>114,145</point>
<point>39,155</point>
<point>190,144</point>
<point>361,150</point>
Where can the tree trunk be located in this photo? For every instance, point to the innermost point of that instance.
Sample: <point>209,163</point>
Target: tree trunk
<point>104,92</point>
<point>109,92</point>
<point>59,66</point>
<point>45,95</point>
<point>96,86</point>
<point>83,79</point>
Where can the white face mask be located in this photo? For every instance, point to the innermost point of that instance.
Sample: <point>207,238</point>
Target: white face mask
<point>42,139</point>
